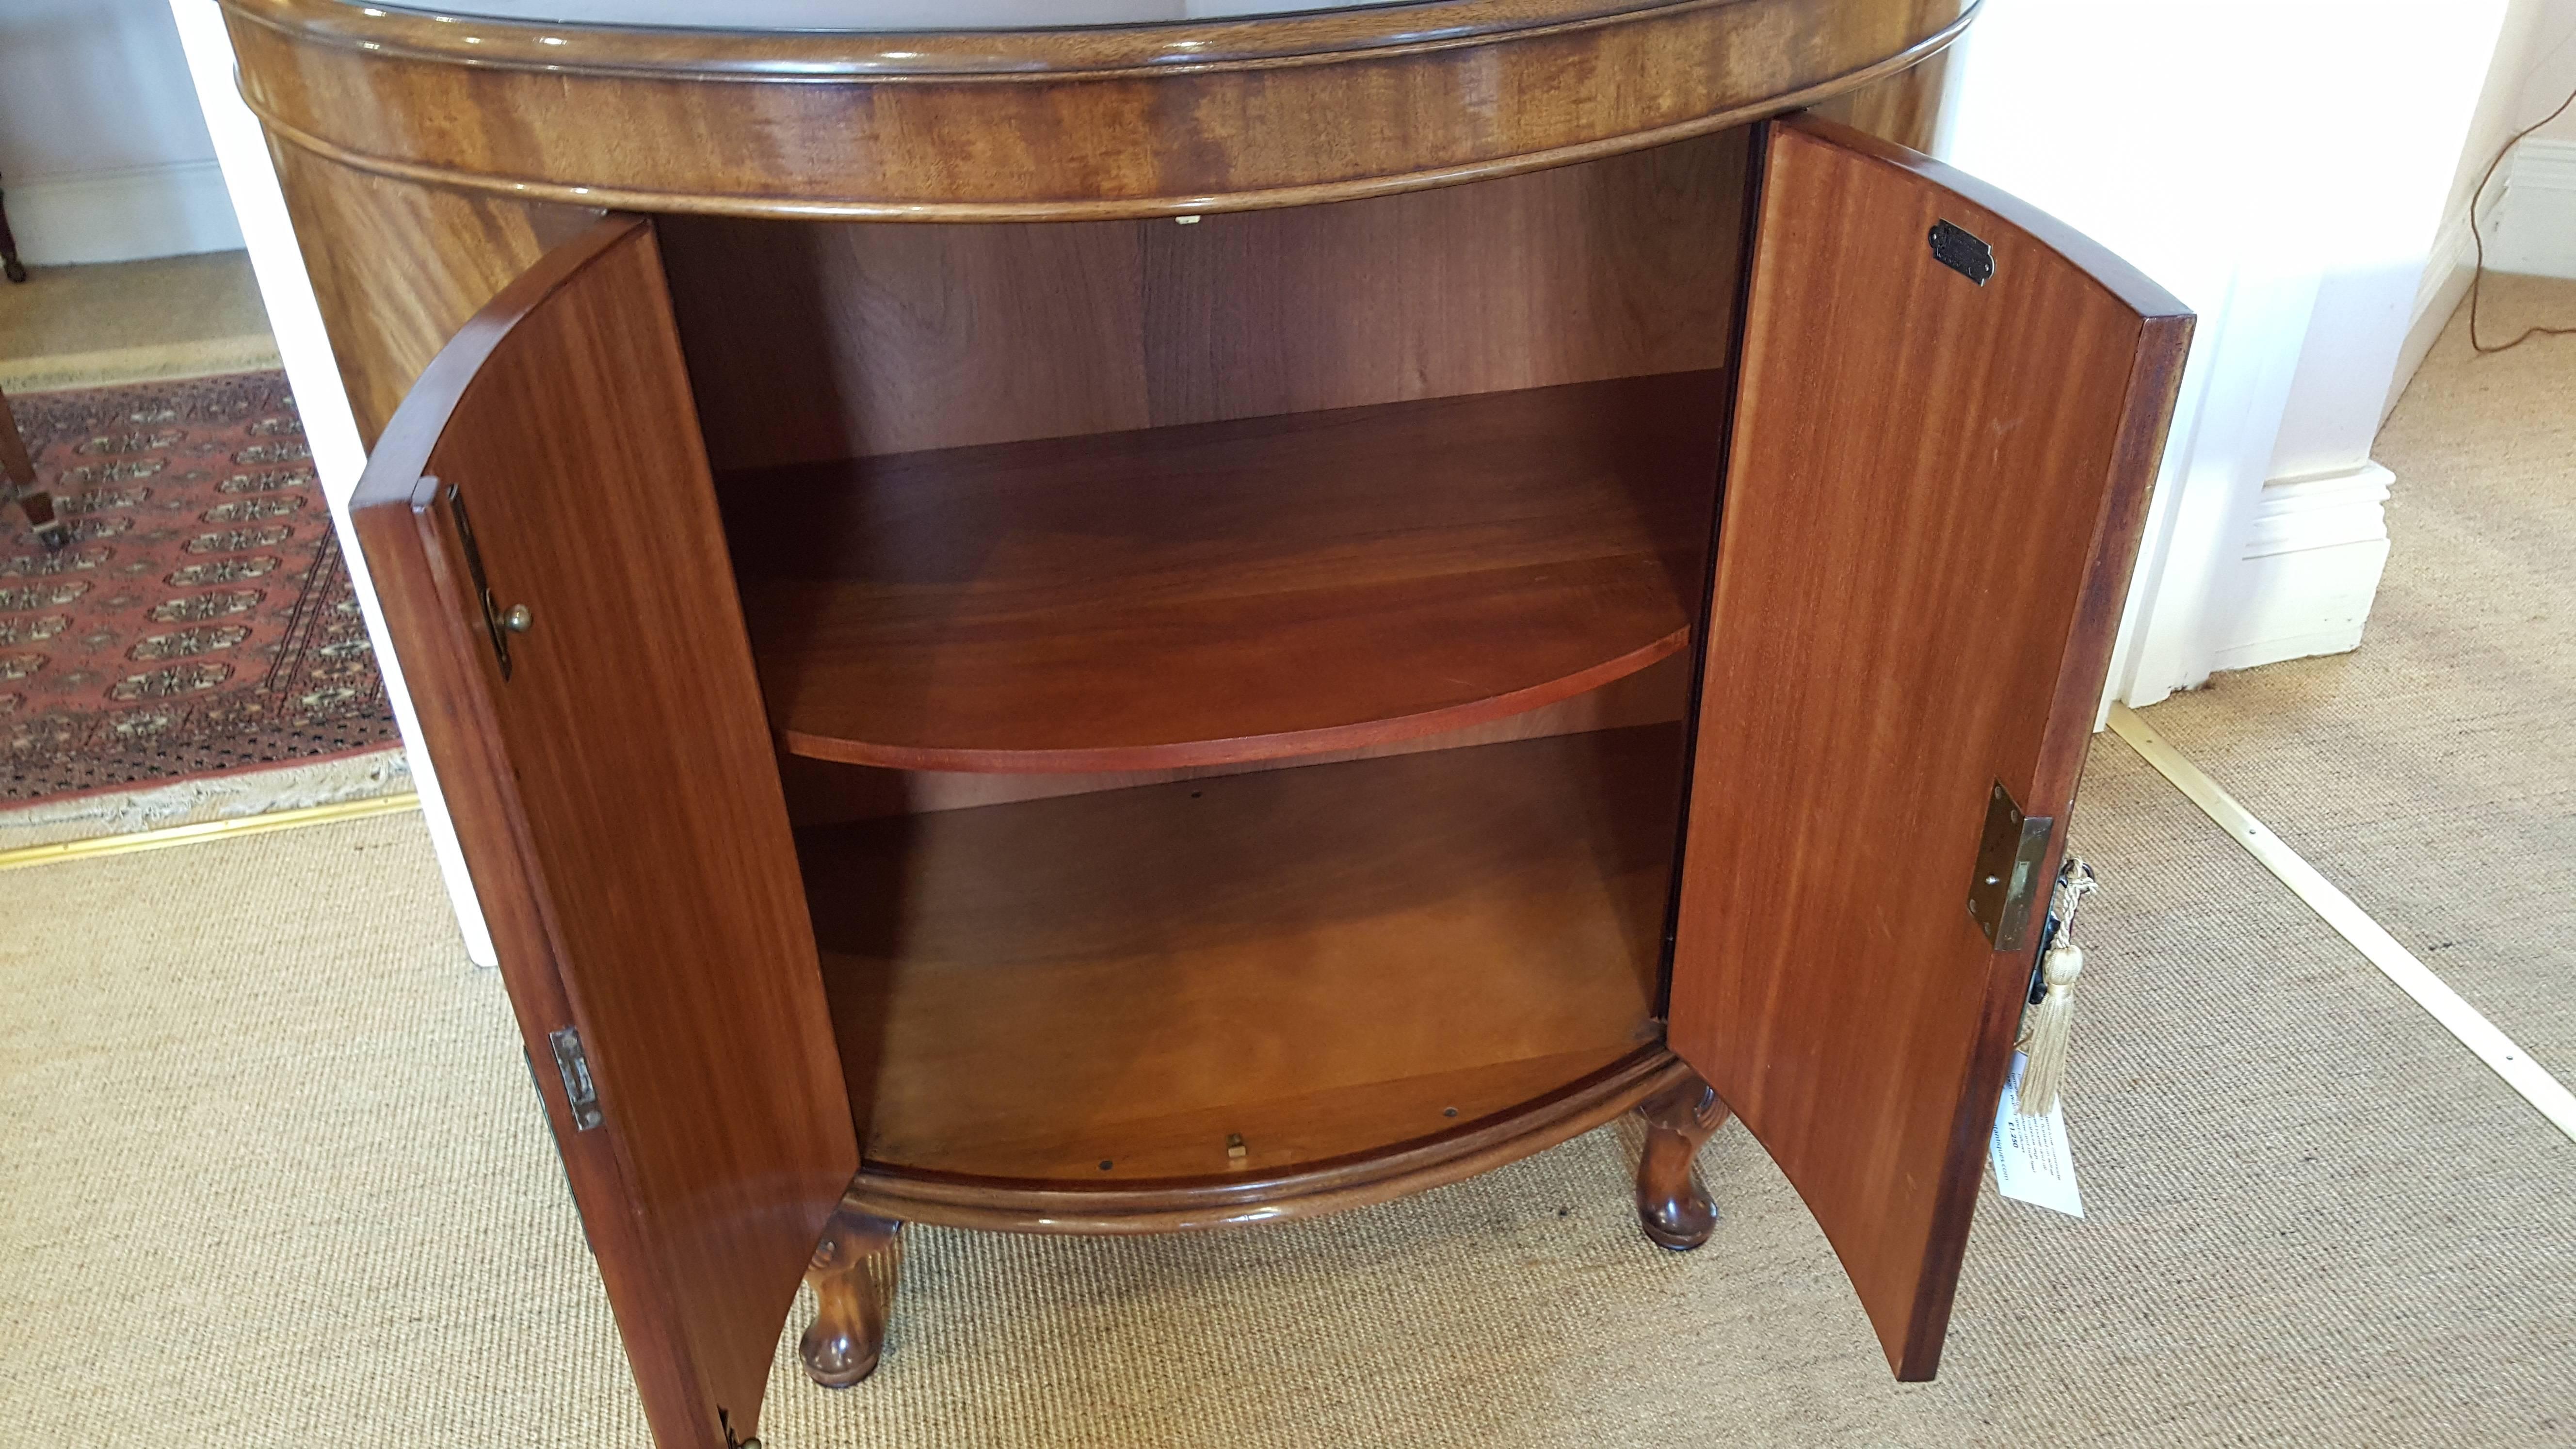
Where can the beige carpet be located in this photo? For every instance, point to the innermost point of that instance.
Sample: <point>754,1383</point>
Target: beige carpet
<point>271,1173</point>
<point>91,326</point>
<point>2432,773</point>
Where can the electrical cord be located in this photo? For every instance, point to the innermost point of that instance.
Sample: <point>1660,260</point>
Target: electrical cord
<point>2478,277</point>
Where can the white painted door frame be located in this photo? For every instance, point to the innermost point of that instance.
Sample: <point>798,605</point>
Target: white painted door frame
<point>320,396</point>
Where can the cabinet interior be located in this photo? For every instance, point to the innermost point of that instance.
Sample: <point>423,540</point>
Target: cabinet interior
<point>1264,641</point>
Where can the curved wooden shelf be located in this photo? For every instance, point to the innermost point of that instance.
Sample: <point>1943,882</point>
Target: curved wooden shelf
<point>1230,591</point>
<point>1106,121</point>
<point>1377,975</point>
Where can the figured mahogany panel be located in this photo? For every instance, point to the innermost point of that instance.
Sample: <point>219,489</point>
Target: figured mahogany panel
<point>1904,107</point>
<point>1139,120</point>
<point>1229,591</point>
<point>613,786</point>
<point>398,267</point>
<point>1934,495</point>
<point>1112,988</point>
<point>811,341</point>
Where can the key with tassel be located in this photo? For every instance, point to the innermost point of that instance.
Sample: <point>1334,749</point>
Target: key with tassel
<point>2048,1020</point>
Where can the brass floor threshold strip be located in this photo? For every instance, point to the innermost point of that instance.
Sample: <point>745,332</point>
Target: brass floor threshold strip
<point>235,829</point>
<point>2400,965</point>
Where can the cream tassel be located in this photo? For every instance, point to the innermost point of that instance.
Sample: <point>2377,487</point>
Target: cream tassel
<point>2044,1031</point>
<point>2048,1026</point>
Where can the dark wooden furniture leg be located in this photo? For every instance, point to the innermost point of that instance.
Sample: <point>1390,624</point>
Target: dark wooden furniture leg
<point>1672,1204</point>
<point>9,263</point>
<point>853,1279</point>
<point>20,471</point>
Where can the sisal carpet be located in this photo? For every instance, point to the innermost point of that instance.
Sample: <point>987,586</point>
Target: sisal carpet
<point>117,322</point>
<point>271,1172</point>
<point>2432,773</point>
<point>200,619</point>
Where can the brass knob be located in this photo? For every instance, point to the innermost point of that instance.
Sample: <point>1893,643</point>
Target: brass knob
<point>519,619</point>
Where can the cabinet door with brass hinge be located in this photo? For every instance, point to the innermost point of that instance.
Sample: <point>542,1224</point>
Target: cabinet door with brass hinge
<point>540,522</point>
<point>1949,415</point>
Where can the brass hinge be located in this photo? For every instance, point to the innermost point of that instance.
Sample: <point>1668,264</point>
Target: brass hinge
<point>2007,878</point>
<point>579,1091</point>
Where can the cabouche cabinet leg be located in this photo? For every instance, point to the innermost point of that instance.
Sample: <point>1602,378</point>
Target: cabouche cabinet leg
<point>1672,1203</point>
<point>853,1277</point>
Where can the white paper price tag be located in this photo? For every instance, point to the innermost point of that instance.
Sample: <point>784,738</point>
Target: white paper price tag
<point>2030,1154</point>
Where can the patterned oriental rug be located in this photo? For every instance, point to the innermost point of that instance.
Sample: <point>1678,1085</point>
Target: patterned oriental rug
<point>200,621</point>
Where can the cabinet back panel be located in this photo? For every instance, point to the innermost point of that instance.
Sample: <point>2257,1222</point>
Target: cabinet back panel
<point>809,341</point>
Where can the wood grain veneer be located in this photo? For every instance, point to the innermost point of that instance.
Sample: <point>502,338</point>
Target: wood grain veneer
<point>1903,107</point>
<point>398,268</point>
<point>640,881</point>
<point>1123,121</point>
<point>1323,961</point>
<point>1918,576</point>
<point>1229,591</point>
<point>810,341</point>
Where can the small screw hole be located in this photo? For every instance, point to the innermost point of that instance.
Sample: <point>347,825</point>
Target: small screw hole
<point>1448,1111</point>
<point>1104,1164</point>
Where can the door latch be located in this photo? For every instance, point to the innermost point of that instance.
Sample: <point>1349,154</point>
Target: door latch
<point>579,1092</point>
<point>1961,251</point>
<point>498,624</point>
<point>2007,878</point>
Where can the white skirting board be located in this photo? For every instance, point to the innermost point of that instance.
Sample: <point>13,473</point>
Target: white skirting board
<point>2534,224</point>
<point>2311,565</point>
<point>2444,287</point>
<point>122,215</point>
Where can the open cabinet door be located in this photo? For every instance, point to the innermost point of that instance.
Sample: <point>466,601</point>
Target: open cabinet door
<point>540,520</point>
<point>1949,416</point>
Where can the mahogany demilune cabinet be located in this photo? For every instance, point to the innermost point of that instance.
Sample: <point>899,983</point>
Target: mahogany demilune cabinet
<point>1126,725</point>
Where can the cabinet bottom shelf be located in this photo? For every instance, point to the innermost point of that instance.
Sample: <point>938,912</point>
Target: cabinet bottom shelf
<point>1307,1190</point>
<point>1205,996</point>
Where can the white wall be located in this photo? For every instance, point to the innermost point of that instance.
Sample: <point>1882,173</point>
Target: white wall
<point>2528,211</point>
<point>321,400</point>
<point>103,154</point>
<point>2281,165</point>
<point>2529,219</point>
<point>2549,72</point>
